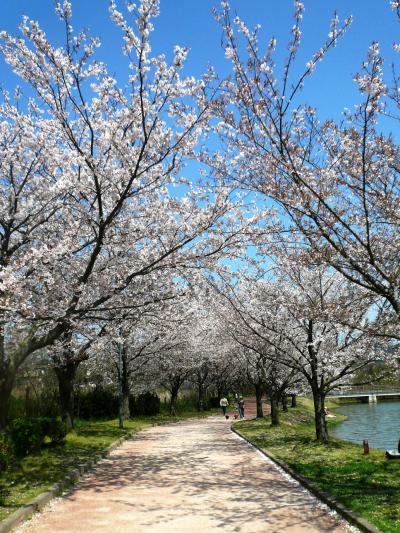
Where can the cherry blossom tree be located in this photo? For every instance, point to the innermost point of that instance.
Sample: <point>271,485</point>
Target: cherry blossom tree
<point>312,322</point>
<point>30,204</point>
<point>118,211</point>
<point>260,360</point>
<point>336,183</point>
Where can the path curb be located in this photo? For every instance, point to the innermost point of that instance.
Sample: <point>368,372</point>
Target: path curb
<point>326,498</point>
<point>27,510</point>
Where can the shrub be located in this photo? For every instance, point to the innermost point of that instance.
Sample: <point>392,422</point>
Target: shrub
<point>147,404</point>
<point>27,434</point>
<point>44,404</point>
<point>96,403</point>
<point>54,428</point>
<point>5,454</point>
<point>213,402</point>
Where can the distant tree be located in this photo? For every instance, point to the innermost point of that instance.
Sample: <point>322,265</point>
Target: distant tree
<point>303,315</point>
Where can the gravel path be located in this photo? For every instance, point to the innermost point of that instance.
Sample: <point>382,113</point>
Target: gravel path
<point>192,476</point>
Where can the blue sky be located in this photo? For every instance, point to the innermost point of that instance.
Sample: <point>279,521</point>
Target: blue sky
<point>190,23</point>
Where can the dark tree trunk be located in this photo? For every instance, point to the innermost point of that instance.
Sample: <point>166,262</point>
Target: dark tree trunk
<point>200,397</point>
<point>202,376</point>
<point>321,430</point>
<point>8,372</point>
<point>174,400</point>
<point>29,409</point>
<point>284,402</point>
<point>6,386</point>
<point>219,391</point>
<point>125,385</point>
<point>274,410</point>
<point>294,400</point>
<point>125,406</point>
<point>259,393</point>
<point>66,376</point>
<point>9,367</point>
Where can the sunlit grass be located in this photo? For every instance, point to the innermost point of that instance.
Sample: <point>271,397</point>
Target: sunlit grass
<point>36,473</point>
<point>369,485</point>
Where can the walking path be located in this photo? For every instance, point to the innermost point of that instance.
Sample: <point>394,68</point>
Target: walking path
<point>188,477</point>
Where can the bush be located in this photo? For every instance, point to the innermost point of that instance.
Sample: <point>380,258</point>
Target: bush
<point>44,404</point>
<point>147,404</point>
<point>5,454</point>
<point>213,402</point>
<point>28,434</point>
<point>96,403</point>
<point>54,428</point>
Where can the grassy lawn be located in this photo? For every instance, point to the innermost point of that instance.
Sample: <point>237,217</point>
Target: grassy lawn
<point>369,485</point>
<point>36,473</point>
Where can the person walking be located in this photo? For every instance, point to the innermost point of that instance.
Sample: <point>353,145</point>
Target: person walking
<point>241,407</point>
<point>224,404</point>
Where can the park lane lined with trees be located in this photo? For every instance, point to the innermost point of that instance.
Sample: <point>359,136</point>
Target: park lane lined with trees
<point>165,234</point>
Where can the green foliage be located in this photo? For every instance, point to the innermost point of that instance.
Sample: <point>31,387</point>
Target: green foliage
<point>190,402</point>
<point>5,453</point>
<point>54,429</point>
<point>99,402</point>
<point>28,434</point>
<point>147,404</point>
<point>44,404</point>
<point>213,402</point>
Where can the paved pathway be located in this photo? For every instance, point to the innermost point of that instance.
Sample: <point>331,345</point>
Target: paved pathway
<point>189,477</point>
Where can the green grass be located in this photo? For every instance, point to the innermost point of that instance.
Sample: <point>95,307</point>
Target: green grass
<point>369,485</point>
<point>36,473</point>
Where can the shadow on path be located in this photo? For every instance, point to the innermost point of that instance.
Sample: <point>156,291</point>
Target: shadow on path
<point>187,477</point>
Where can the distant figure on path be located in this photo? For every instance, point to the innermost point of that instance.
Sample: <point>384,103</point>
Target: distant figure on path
<point>224,404</point>
<point>241,407</point>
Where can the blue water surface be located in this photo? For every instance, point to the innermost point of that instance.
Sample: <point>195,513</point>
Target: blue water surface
<point>377,422</point>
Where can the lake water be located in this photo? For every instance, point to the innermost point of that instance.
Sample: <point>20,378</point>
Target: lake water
<point>377,422</point>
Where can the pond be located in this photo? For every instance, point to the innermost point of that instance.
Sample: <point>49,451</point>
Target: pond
<point>377,422</point>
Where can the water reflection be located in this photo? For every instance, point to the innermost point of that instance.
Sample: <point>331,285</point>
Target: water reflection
<point>377,422</point>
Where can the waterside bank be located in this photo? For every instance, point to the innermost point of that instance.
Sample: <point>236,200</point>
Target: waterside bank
<point>368,485</point>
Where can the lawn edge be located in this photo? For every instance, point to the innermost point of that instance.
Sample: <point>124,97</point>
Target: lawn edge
<point>29,509</point>
<point>325,497</point>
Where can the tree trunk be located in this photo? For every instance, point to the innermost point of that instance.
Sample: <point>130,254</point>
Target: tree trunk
<point>274,410</point>
<point>125,407</point>
<point>8,372</point>
<point>173,402</point>
<point>294,400</point>
<point>321,430</point>
<point>125,385</point>
<point>6,386</point>
<point>284,402</point>
<point>66,375</point>
<point>258,390</point>
<point>28,402</point>
<point>219,392</point>
<point>200,397</point>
